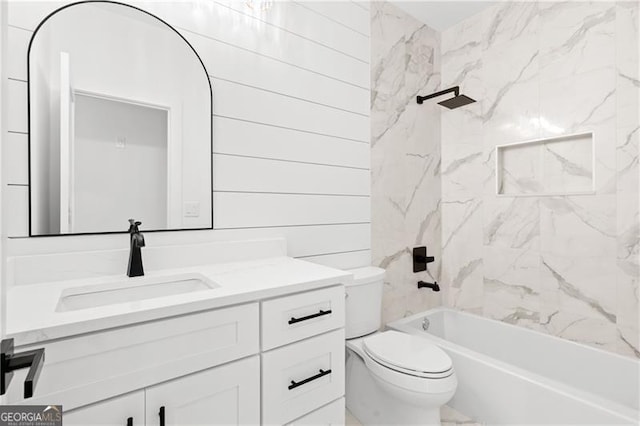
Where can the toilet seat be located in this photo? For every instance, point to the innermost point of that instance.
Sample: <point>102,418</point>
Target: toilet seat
<point>408,354</point>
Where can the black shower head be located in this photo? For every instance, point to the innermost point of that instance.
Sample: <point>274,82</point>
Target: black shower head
<point>457,102</point>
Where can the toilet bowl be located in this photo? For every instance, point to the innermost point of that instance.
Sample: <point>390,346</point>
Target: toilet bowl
<point>392,377</point>
<point>409,379</point>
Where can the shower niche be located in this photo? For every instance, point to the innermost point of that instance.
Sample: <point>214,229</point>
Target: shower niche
<point>561,165</point>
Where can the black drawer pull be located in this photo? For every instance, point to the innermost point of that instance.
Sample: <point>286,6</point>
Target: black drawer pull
<point>130,421</point>
<point>322,373</point>
<point>308,317</point>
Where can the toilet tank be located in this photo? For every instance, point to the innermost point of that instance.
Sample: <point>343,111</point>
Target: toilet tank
<point>364,301</point>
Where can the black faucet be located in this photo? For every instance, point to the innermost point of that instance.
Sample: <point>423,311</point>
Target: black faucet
<point>135,268</point>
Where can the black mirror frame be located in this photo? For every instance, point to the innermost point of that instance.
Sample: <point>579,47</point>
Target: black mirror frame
<point>204,68</point>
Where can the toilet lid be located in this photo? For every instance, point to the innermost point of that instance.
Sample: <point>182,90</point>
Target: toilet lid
<point>408,354</point>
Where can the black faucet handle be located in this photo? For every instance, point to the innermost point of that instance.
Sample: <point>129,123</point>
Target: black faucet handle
<point>420,259</point>
<point>133,225</point>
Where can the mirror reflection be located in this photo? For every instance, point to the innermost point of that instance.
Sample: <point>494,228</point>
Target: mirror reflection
<point>119,124</point>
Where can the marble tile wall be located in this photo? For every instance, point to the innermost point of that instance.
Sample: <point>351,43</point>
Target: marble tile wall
<point>566,265</point>
<point>405,156</point>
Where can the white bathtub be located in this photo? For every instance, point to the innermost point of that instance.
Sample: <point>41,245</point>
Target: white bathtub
<point>509,375</point>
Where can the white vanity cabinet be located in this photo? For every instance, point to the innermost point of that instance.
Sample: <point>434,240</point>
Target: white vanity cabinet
<point>225,395</point>
<point>303,356</point>
<point>124,410</point>
<point>274,361</point>
<point>84,369</point>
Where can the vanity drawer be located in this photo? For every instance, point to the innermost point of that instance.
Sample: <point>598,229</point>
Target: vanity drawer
<point>100,365</point>
<point>302,377</point>
<point>332,414</point>
<point>292,318</point>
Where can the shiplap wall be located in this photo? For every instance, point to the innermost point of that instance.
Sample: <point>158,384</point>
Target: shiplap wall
<point>291,126</point>
<point>3,113</point>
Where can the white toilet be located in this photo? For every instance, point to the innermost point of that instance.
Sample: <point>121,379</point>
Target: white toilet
<point>392,378</point>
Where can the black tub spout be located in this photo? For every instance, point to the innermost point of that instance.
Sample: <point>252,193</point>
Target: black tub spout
<point>433,286</point>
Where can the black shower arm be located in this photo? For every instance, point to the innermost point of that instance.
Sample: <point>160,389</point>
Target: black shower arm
<point>455,90</point>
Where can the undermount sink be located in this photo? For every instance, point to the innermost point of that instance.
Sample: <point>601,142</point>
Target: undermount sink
<point>131,290</point>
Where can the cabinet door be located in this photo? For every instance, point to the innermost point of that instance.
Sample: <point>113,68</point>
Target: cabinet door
<point>225,395</point>
<point>112,412</point>
<point>115,361</point>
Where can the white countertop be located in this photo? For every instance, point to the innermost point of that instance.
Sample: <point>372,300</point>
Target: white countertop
<point>32,316</point>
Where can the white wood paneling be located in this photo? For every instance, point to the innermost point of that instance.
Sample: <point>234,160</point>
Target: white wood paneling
<point>17,210</point>
<point>225,24</point>
<point>243,174</point>
<point>251,104</point>
<point>257,140</point>
<point>17,44</point>
<point>230,26</point>
<point>302,241</point>
<point>28,14</point>
<point>15,156</point>
<point>299,20</point>
<point>239,210</point>
<point>300,83</point>
<point>346,13</point>
<point>312,240</point>
<point>291,131</point>
<point>17,111</point>
<point>3,197</point>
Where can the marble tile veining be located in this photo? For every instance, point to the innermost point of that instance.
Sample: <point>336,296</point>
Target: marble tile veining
<point>405,156</point>
<point>569,264</point>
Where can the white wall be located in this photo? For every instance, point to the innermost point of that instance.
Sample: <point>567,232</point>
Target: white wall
<point>291,126</point>
<point>3,170</point>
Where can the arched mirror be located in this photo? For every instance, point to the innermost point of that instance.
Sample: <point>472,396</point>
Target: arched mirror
<point>120,124</point>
